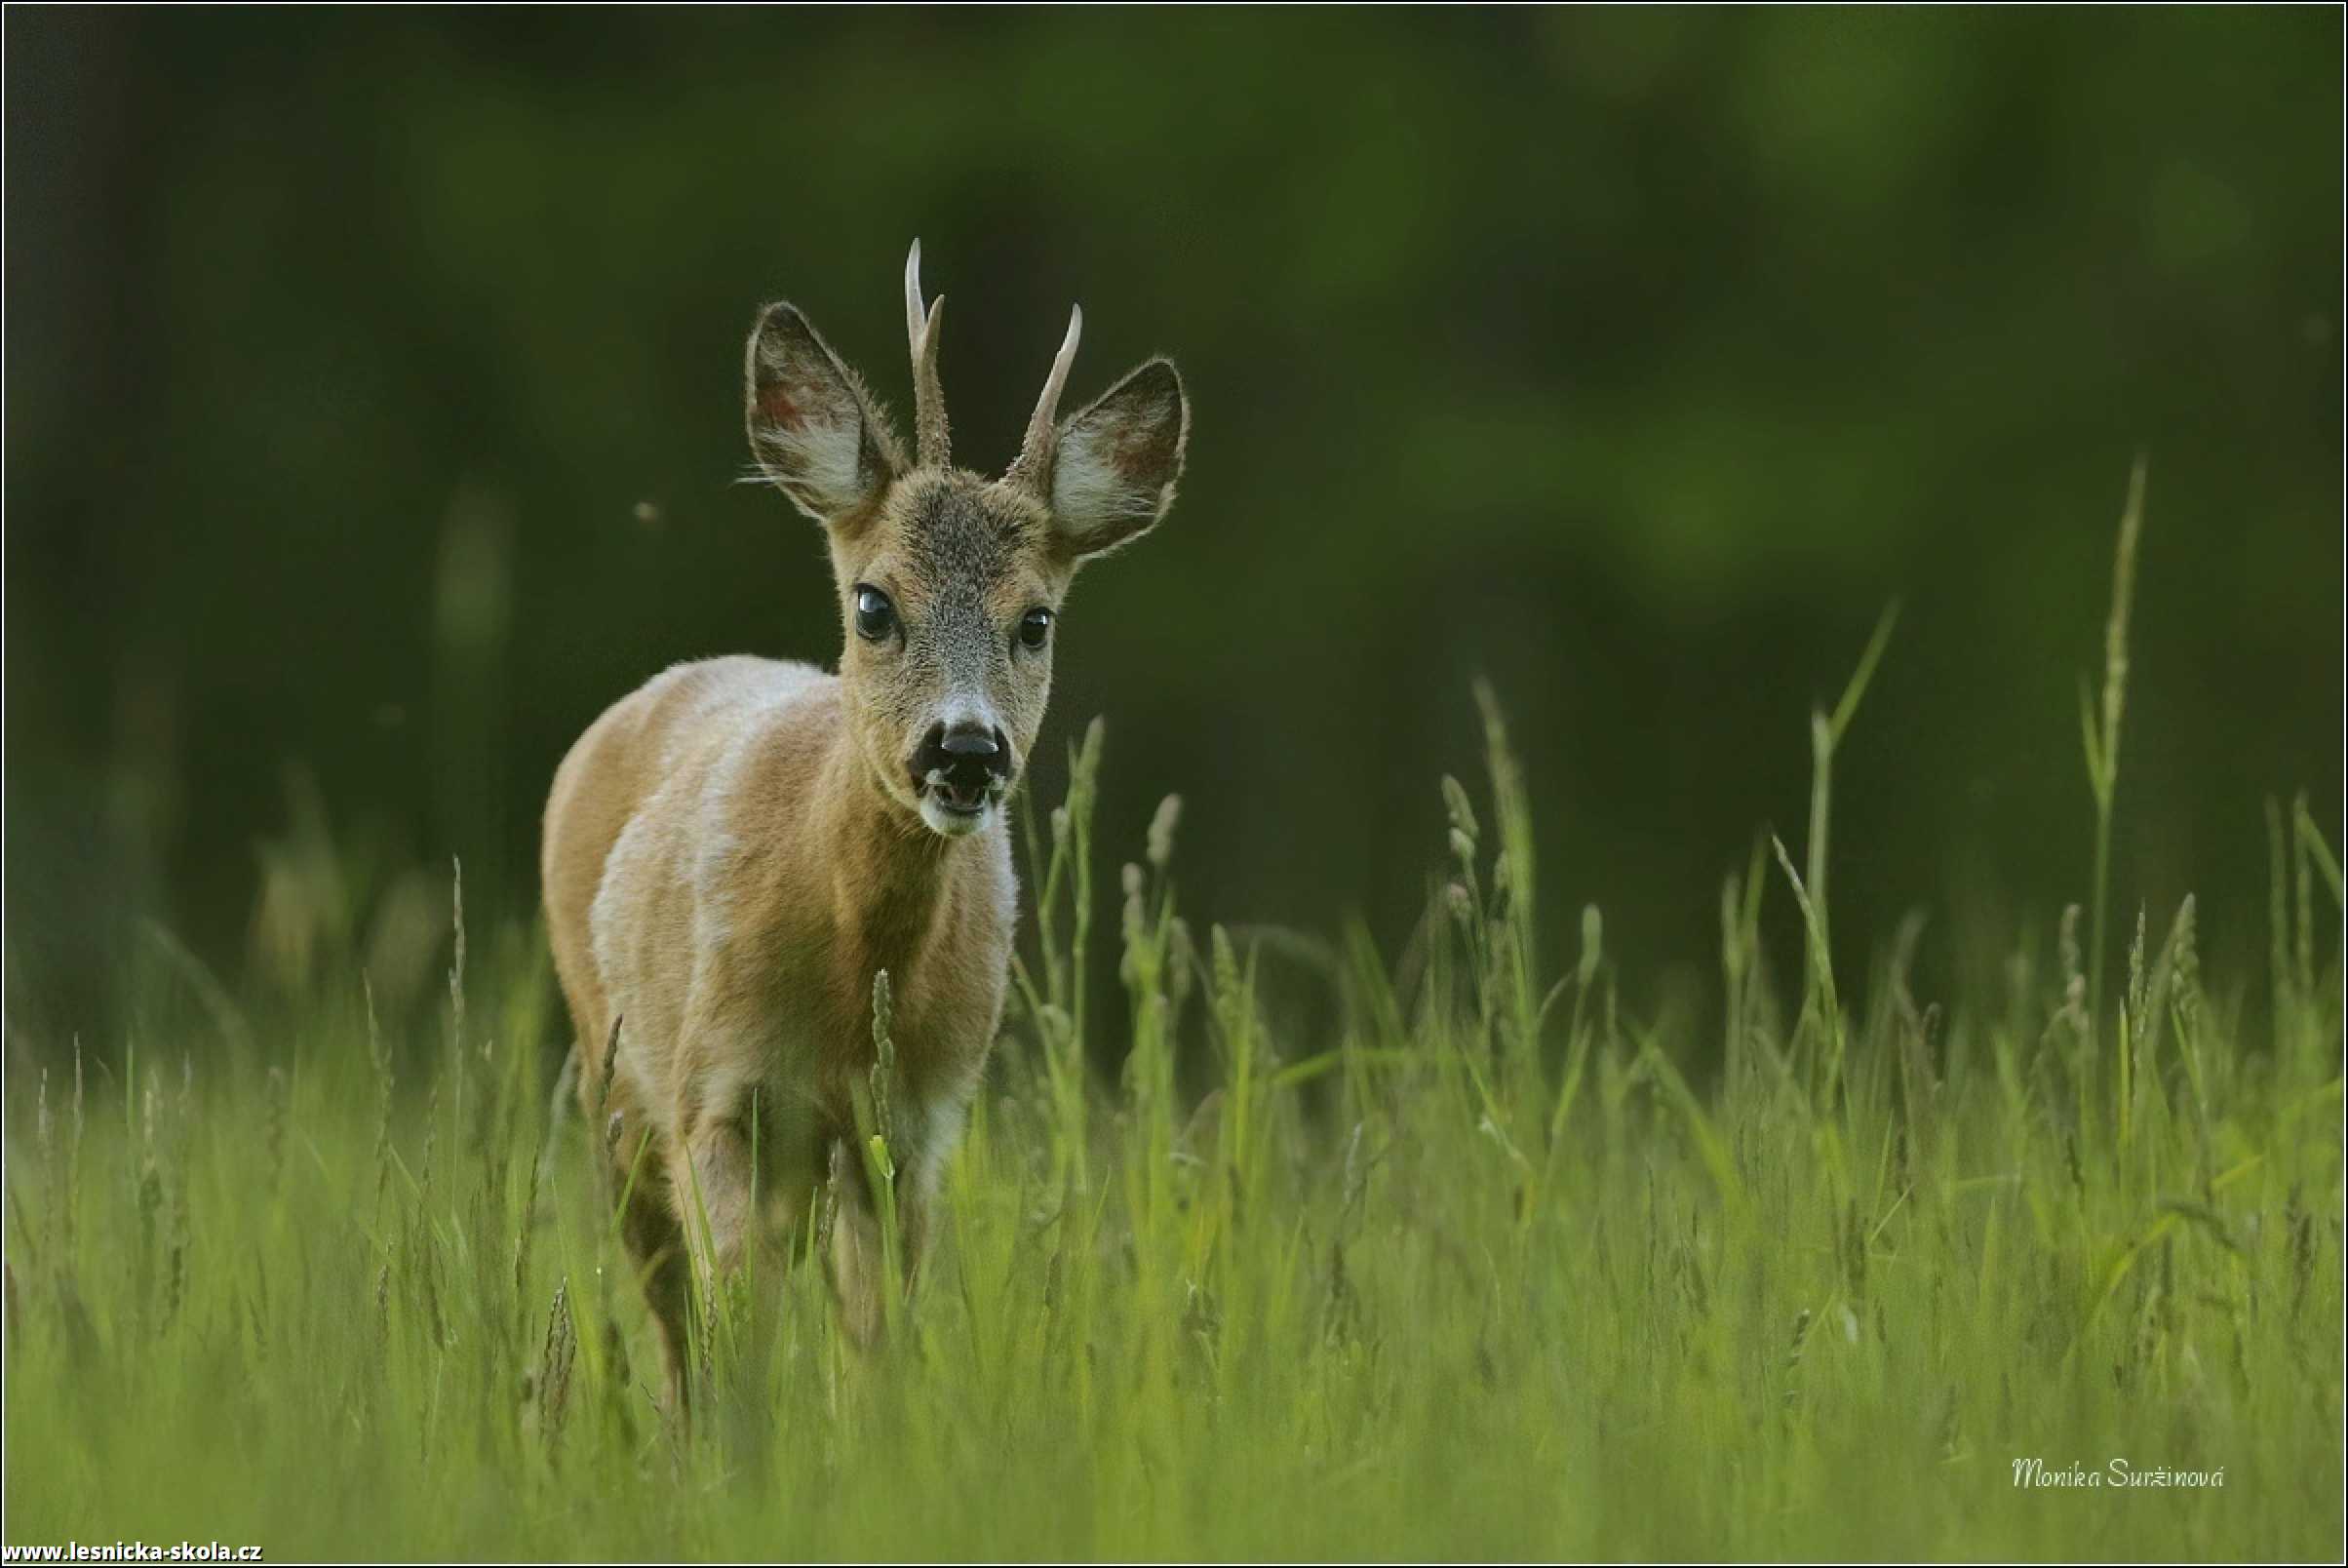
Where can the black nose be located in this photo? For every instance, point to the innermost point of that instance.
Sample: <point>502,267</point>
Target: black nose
<point>964,759</point>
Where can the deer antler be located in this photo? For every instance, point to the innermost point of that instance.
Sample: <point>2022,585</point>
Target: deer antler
<point>931,445</point>
<point>1034,464</point>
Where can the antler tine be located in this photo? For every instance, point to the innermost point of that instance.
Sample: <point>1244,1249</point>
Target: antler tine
<point>932,446</point>
<point>914,311</point>
<point>1035,453</point>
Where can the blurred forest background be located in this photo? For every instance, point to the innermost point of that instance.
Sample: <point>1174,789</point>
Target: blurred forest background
<point>372,420</point>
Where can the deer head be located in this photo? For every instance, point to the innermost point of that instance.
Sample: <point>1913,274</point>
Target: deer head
<point>951,583</point>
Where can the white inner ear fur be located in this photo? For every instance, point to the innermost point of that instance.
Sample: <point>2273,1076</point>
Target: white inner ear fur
<point>820,458</point>
<point>1089,491</point>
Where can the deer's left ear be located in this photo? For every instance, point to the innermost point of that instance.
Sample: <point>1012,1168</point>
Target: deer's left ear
<point>813,429</point>
<point>1114,466</point>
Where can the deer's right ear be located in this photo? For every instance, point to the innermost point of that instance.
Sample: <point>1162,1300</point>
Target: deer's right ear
<point>1114,466</point>
<point>814,430</point>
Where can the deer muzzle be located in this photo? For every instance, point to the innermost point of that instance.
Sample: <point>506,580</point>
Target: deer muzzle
<point>961,767</point>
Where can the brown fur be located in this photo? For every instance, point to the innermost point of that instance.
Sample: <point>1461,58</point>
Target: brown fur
<point>732,852</point>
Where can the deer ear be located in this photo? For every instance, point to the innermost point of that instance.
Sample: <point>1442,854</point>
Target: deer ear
<point>1114,464</point>
<point>813,429</point>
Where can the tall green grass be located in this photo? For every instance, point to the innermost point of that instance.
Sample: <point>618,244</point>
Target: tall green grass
<point>1495,1267</point>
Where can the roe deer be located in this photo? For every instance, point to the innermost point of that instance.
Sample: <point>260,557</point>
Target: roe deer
<point>734,850</point>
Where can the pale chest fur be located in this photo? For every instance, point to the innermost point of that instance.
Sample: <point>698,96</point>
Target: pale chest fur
<point>744,911</point>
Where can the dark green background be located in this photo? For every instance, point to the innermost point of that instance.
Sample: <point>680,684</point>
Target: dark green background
<point>1635,359</point>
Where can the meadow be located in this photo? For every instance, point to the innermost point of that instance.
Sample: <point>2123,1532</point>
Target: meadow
<point>1481,1262</point>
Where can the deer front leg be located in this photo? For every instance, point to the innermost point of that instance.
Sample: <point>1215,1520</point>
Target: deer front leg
<point>722,1113</point>
<point>715,1195</point>
<point>856,1257</point>
<point>656,1245</point>
<point>858,1254</point>
<point>635,1175</point>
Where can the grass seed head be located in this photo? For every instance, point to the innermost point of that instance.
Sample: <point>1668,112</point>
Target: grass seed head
<point>1160,841</point>
<point>1456,806</point>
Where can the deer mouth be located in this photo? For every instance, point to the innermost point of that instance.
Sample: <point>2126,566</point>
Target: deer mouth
<point>959,799</point>
<point>958,771</point>
<point>953,807</point>
<point>953,813</point>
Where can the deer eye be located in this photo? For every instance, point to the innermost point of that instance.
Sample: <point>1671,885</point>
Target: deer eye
<point>876,617</point>
<point>1034,629</point>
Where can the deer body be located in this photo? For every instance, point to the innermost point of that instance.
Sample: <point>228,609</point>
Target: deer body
<point>735,850</point>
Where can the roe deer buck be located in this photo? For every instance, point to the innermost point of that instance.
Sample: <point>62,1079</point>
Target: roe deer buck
<point>734,850</point>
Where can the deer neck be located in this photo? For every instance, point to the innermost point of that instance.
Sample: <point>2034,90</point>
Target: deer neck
<point>891,876</point>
